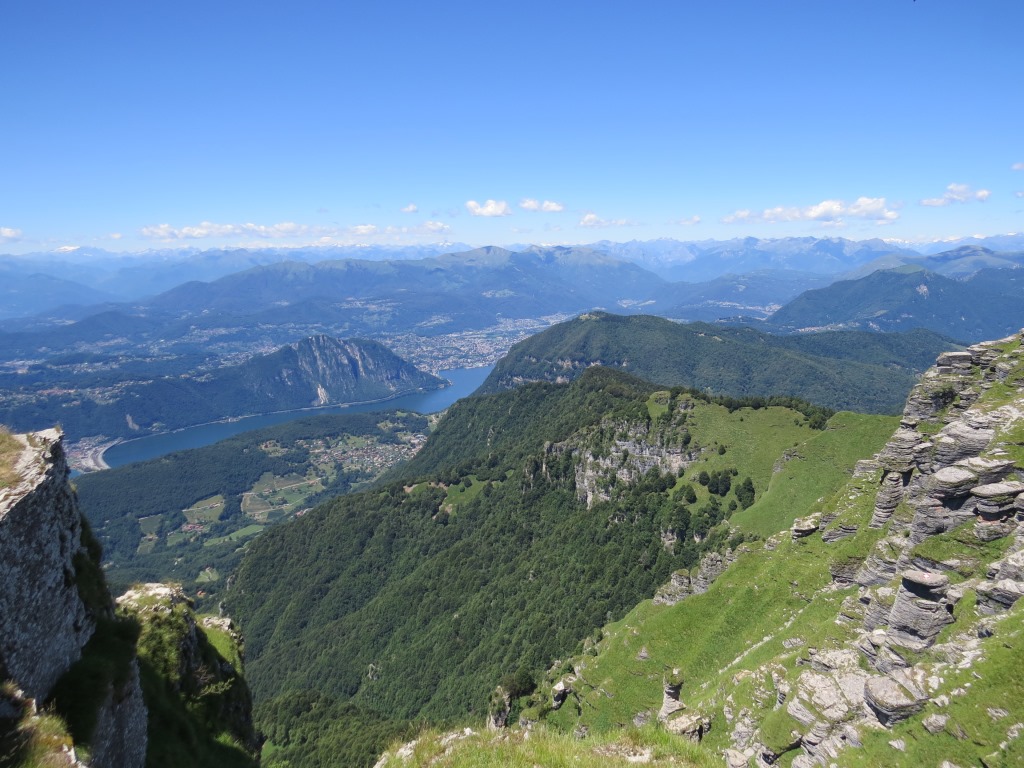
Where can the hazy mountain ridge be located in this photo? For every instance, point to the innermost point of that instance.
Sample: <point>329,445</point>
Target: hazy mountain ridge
<point>134,276</point>
<point>985,305</point>
<point>316,371</point>
<point>697,261</point>
<point>514,284</point>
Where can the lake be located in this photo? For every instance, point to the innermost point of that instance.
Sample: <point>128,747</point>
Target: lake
<point>464,382</point>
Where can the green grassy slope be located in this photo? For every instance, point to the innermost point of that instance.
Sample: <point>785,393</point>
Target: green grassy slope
<point>814,470</point>
<point>784,621</point>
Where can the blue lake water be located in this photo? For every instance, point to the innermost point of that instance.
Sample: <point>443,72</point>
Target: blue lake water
<point>464,382</point>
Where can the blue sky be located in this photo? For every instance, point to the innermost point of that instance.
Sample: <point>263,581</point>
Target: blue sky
<point>129,125</point>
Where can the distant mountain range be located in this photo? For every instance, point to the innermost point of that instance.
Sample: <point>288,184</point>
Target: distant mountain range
<point>957,262</point>
<point>90,276</point>
<point>274,303</point>
<point>989,304</point>
<point>790,285</point>
<point>107,276</point>
<point>866,372</point>
<point>438,290</point>
<point>706,260</point>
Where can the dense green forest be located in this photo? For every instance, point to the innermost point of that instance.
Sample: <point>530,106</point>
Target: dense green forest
<point>485,560</point>
<point>158,491</point>
<point>860,371</point>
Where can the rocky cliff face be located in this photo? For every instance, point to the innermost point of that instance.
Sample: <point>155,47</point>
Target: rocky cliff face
<point>620,452</point>
<point>52,600</point>
<point>320,370</point>
<point>44,623</point>
<point>949,503</point>
<point>201,691</point>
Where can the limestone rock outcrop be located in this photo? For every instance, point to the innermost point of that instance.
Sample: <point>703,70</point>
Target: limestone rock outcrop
<point>44,623</point>
<point>949,466</point>
<point>52,600</point>
<point>683,583</point>
<point>202,676</point>
<point>620,451</point>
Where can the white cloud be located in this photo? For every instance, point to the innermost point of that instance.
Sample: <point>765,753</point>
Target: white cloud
<point>826,210</point>
<point>1018,194</point>
<point>1017,167</point>
<point>208,229</point>
<point>300,233</point>
<point>67,249</point>
<point>167,232</point>
<point>372,231</point>
<point>592,220</point>
<point>489,208</point>
<point>828,213</point>
<point>548,206</point>
<point>778,213</point>
<point>410,208</point>
<point>872,208</point>
<point>9,234</point>
<point>957,193</point>
<point>743,214</point>
<point>688,222</point>
<point>284,229</point>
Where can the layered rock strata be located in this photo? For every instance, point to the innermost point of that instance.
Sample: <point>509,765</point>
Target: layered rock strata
<point>946,467</point>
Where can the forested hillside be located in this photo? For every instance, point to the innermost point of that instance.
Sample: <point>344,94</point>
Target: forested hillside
<point>883,628</point>
<point>531,518</point>
<point>866,372</point>
<point>186,517</point>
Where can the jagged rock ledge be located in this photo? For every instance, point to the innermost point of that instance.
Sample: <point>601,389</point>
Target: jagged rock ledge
<point>53,601</point>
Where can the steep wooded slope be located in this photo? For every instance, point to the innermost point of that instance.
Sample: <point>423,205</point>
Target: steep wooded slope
<point>854,371</point>
<point>536,515</point>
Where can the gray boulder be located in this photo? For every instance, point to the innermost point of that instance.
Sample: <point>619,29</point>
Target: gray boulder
<point>891,701</point>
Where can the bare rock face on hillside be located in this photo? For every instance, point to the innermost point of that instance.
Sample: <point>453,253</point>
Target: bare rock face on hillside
<point>623,452</point>
<point>949,469</point>
<point>684,583</point>
<point>52,598</point>
<point>43,621</point>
